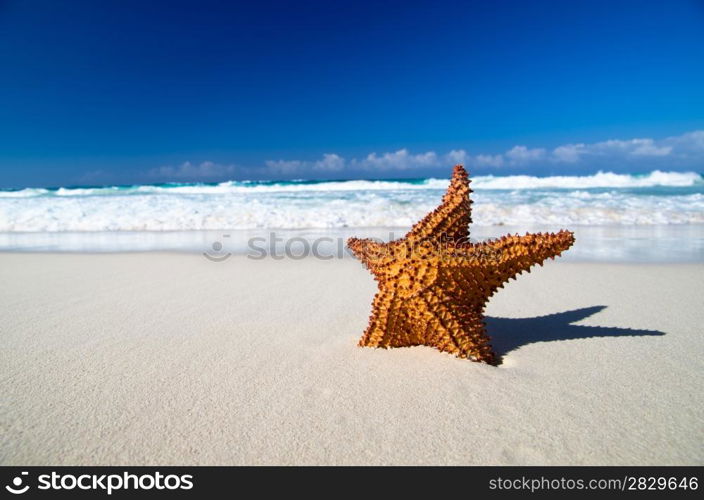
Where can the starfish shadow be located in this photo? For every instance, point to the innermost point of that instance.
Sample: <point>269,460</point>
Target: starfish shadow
<point>508,334</point>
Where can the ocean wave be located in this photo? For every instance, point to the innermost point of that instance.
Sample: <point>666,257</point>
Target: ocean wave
<point>234,187</point>
<point>479,183</point>
<point>205,212</point>
<point>600,199</point>
<point>598,180</point>
<point>24,193</point>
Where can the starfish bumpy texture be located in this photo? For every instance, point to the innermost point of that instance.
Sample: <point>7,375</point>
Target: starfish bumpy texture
<point>434,283</point>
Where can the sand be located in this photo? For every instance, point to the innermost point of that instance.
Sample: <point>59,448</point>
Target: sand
<point>161,359</point>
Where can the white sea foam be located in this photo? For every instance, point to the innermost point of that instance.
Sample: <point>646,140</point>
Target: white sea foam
<point>598,180</point>
<point>487,182</point>
<point>600,199</point>
<point>24,193</point>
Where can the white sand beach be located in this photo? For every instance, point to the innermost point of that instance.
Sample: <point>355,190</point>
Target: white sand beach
<point>160,359</point>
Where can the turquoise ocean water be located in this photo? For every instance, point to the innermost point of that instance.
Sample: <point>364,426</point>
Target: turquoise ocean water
<point>608,209</point>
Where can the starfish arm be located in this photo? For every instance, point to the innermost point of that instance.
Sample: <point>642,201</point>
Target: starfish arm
<point>372,254</point>
<point>510,255</point>
<point>452,218</point>
<point>365,249</point>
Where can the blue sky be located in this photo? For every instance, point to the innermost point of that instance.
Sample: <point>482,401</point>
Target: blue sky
<point>126,92</point>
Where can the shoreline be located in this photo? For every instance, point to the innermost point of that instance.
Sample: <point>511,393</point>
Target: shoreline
<point>607,243</point>
<point>167,358</point>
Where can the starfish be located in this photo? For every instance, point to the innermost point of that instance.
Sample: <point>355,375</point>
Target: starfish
<point>434,283</point>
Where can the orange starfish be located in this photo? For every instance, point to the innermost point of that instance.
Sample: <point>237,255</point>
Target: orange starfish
<point>434,284</point>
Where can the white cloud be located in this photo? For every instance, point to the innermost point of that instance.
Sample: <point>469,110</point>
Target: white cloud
<point>521,155</point>
<point>682,151</point>
<point>647,147</point>
<point>691,142</point>
<point>457,156</point>
<point>635,147</point>
<point>488,161</point>
<point>398,160</point>
<point>627,148</point>
<point>284,167</point>
<point>186,171</point>
<point>569,153</point>
<point>330,162</point>
<point>678,150</point>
